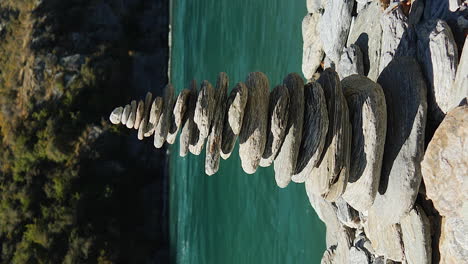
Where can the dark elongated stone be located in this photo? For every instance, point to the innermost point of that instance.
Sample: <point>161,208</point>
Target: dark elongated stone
<point>189,128</point>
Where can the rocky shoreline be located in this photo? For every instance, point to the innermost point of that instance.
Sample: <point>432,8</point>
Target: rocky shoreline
<point>377,134</point>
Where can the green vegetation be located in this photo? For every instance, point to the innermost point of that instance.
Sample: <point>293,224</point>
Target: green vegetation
<point>69,193</point>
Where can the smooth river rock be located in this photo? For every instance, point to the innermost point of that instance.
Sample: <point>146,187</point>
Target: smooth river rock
<point>334,27</point>
<point>162,128</point>
<point>139,114</point>
<point>416,231</point>
<point>314,131</point>
<point>405,94</point>
<point>132,116</point>
<point>278,114</point>
<point>368,116</point>
<point>459,89</point>
<point>438,56</point>
<point>367,34</point>
<point>178,112</point>
<point>146,115</point>
<point>116,115</point>
<point>285,162</point>
<point>351,62</point>
<point>126,114</point>
<point>205,108</point>
<point>331,176</point>
<point>188,125</point>
<point>213,144</point>
<point>252,137</point>
<point>236,103</point>
<point>312,49</point>
<point>154,115</point>
<point>445,164</point>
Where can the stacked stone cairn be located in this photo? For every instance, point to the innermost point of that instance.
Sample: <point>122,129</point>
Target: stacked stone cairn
<point>383,79</point>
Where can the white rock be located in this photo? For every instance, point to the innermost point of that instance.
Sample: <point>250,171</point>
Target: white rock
<point>416,232</point>
<point>312,50</point>
<point>126,114</point>
<point>351,62</point>
<point>394,25</point>
<point>132,117</point>
<point>116,115</point>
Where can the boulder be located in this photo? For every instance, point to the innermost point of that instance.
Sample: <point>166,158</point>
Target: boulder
<point>312,49</point>
<point>154,116</point>
<point>453,243</point>
<point>459,89</point>
<point>286,160</point>
<point>278,113</point>
<point>178,112</point>
<point>213,145</point>
<point>416,231</point>
<point>252,137</point>
<point>438,56</point>
<point>162,128</point>
<point>445,164</point>
<point>132,116</point>
<point>368,116</point>
<point>334,27</point>
<point>351,62</point>
<point>126,114</point>
<point>188,125</point>
<point>367,34</point>
<point>139,114</point>
<point>204,110</point>
<point>405,94</point>
<point>233,120</point>
<point>330,175</point>
<point>116,115</point>
<point>314,131</point>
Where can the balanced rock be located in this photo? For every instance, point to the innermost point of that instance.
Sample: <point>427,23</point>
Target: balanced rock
<point>204,109</point>
<point>116,115</point>
<point>312,50</point>
<point>416,232</point>
<point>453,244</point>
<point>358,256</point>
<point>460,85</point>
<point>252,137</point>
<point>178,112</point>
<point>213,145</point>
<point>154,116</point>
<point>438,55</point>
<point>146,113</point>
<point>132,116</point>
<point>126,114</point>
<point>286,160</point>
<point>445,164</point>
<point>197,139</point>
<point>234,118</point>
<point>162,128</point>
<point>330,177</point>
<point>314,131</point>
<point>278,113</point>
<point>334,27</point>
<point>139,114</point>
<point>351,62</point>
<point>188,125</point>
<point>368,116</point>
<point>405,94</point>
<point>346,214</point>
<point>367,34</point>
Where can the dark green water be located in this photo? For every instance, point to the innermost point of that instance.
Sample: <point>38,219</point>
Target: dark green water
<point>233,217</point>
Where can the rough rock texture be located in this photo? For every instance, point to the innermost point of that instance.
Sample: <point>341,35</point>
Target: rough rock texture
<point>346,214</point>
<point>313,5</point>
<point>331,176</point>
<point>178,112</point>
<point>126,114</point>
<point>162,128</point>
<point>445,164</point>
<point>116,115</point>
<point>416,233</point>
<point>132,116</point>
<point>154,116</point>
<point>367,34</point>
<point>139,114</point>
<point>453,244</point>
<point>405,94</point>
<point>351,62</point>
<point>438,56</point>
<point>314,131</point>
<point>416,11</point>
<point>334,27</point>
<point>285,162</point>
<point>188,125</point>
<point>234,118</point>
<point>213,145</point>
<point>205,108</point>
<point>278,114</point>
<point>312,52</point>
<point>252,137</point>
<point>394,26</point>
<point>459,89</point>
<point>358,256</point>
<point>368,116</point>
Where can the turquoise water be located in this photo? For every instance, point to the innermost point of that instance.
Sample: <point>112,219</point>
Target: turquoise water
<point>233,217</point>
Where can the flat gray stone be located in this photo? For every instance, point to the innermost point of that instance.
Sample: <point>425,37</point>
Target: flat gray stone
<point>132,116</point>
<point>154,116</point>
<point>236,103</point>
<point>312,49</point>
<point>286,160</point>
<point>213,145</point>
<point>330,176</point>
<point>204,109</point>
<point>178,112</point>
<point>367,34</point>
<point>416,232</point>
<point>252,138</point>
<point>351,62</point>
<point>139,114</point>
<point>278,113</point>
<point>405,94</point>
<point>126,114</point>
<point>438,56</point>
<point>368,116</point>
<point>314,131</point>
<point>188,125</point>
<point>116,115</point>
<point>162,128</point>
